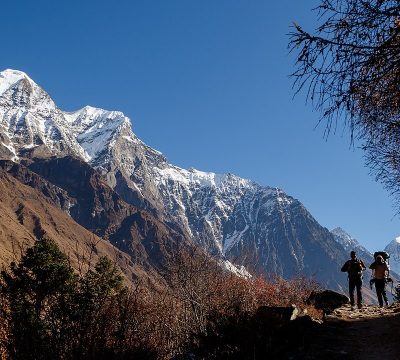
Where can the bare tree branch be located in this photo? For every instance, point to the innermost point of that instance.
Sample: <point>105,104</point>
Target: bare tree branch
<point>349,69</point>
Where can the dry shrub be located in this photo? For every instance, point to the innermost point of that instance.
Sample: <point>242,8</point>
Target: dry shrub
<point>198,304</point>
<point>314,313</point>
<point>200,299</point>
<point>199,294</point>
<point>295,291</point>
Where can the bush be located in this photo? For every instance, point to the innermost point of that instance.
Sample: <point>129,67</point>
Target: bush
<point>50,312</point>
<point>54,314</point>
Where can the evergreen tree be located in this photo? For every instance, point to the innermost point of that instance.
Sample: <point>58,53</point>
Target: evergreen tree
<point>39,290</point>
<point>100,292</point>
<point>53,313</point>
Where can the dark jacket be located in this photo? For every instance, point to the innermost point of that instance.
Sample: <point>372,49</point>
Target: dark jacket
<point>354,268</point>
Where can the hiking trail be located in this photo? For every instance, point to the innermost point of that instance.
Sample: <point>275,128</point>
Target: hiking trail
<point>369,333</point>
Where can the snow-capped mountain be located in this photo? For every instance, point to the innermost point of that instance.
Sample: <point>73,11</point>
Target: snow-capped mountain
<point>233,218</point>
<point>393,248</point>
<point>31,124</point>
<point>350,244</point>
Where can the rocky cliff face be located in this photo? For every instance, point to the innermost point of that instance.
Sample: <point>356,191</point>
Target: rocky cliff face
<point>77,189</point>
<point>233,218</point>
<point>26,214</point>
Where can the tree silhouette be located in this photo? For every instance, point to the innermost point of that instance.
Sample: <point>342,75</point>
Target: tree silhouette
<point>39,290</point>
<point>350,69</point>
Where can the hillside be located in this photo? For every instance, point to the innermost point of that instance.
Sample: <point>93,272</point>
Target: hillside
<point>26,215</point>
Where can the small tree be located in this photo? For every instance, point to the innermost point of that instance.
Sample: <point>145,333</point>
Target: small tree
<point>97,299</point>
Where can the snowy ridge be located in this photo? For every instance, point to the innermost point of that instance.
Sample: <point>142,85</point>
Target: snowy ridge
<point>105,140</point>
<point>95,128</point>
<point>191,176</point>
<point>203,202</point>
<point>31,121</point>
<point>350,244</point>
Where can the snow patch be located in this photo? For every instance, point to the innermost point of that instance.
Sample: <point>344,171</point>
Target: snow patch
<point>12,150</point>
<point>237,270</point>
<point>234,238</point>
<point>198,178</point>
<point>128,138</point>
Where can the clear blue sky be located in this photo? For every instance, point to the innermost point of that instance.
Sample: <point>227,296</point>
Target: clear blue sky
<point>206,83</point>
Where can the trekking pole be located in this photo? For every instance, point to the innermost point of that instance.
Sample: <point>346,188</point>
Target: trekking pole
<point>391,281</point>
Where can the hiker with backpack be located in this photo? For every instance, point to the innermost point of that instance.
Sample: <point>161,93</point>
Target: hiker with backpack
<point>354,268</point>
<point>380,274</point>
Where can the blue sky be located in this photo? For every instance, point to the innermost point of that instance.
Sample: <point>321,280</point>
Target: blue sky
<point>206,83</point>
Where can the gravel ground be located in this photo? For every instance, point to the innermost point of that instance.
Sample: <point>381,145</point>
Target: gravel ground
<point>368,333</point>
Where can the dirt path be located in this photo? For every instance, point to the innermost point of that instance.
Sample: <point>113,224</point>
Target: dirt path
<point>369,333</point>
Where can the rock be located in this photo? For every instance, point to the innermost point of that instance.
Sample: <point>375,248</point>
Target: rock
<point>327,300</point>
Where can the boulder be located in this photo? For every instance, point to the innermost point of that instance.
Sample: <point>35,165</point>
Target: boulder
<point>327,300</point>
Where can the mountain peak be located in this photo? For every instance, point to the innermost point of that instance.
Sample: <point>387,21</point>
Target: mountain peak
<point>338,230</point>
<point>349,243</point>
<point>10,77</point>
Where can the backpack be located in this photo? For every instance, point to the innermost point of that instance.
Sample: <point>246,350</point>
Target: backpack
<point>384,254</point>
<point>354,269</point>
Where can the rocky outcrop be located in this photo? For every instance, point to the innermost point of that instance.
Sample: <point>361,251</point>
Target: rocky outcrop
<point>27,215</point>
<point>327,300</point>
<point>277,314</point>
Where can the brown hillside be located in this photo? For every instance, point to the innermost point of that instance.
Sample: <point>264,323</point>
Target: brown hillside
<point>26,215</point>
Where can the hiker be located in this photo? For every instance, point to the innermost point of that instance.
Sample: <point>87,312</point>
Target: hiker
<point>354,268</point>
<point>380,273</point>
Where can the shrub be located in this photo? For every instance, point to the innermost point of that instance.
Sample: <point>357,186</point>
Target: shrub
<point>49,312</point>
